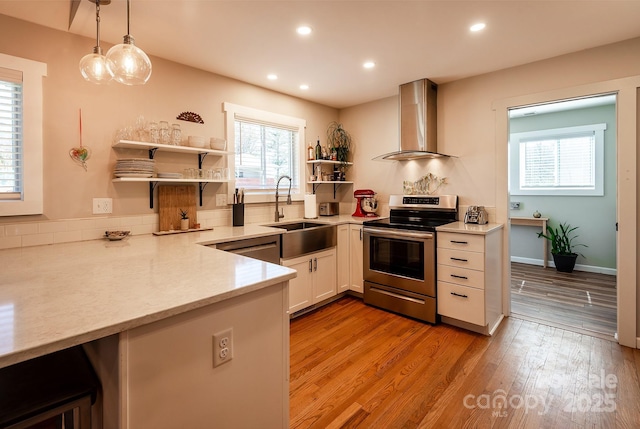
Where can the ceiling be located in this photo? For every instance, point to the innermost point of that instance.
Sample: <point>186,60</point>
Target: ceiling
<point>408,40</point>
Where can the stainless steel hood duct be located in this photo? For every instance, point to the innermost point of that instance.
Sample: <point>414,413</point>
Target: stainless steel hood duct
<point>418,118</point>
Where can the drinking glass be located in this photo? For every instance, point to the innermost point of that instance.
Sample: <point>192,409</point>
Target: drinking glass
<point>176,135</point>
<point>165,137</point>
<point>154,136</point>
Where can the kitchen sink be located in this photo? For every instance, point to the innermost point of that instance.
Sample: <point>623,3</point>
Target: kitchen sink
<point>299,225</point>
<point>305,237</point>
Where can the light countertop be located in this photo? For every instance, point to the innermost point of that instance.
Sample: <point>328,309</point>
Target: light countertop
<point>470,228</point>
<point>61,295</point>
<point>57,296</point>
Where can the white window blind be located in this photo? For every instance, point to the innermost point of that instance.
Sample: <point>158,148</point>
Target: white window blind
<point>263,152</point>
<point>265,146</point>
<point>11,150</point>
<point>562,161</point>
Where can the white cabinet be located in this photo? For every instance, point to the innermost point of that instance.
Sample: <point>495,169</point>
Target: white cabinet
<point>300,292</point>
<point>344,255</point>
<point>355,258</point>
<point>470,279</point>
<point>316,280</point>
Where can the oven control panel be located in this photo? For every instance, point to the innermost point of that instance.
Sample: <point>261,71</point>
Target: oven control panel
<point>431,201</point>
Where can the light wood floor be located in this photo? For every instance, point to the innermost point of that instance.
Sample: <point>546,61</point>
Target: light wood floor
<point>355,366</point>
<point>579,301</point>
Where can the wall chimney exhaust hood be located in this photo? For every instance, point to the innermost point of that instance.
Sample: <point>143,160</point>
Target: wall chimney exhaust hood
<point>418,118</point>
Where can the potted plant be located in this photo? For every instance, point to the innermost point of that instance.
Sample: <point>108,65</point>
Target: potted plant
<point>564,257</point>
<point>184,220</point>
<point>340,140</point>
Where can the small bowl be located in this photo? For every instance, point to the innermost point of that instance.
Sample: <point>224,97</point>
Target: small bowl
<point>116,235</point>
<point>196,141</point>
<point>217,144</point>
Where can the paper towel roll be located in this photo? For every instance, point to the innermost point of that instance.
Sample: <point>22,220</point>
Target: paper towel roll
<point>310,207</point>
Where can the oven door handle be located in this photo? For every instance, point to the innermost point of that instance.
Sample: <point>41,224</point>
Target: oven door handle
<point>400,234</point>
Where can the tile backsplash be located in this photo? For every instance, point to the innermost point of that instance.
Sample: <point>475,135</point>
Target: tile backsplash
<point>25,234</point>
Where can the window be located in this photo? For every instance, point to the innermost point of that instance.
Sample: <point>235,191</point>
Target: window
<point>266,146</point>
<point>20,136</point>
<point>562,161</point>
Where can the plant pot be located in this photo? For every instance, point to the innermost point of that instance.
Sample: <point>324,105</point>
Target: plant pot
<point>565,263</point>
<point>184,224</point>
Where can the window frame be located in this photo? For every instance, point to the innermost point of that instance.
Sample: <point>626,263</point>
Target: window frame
<point>32,137</point>
<point>266,195</point>
<point>514,166</point>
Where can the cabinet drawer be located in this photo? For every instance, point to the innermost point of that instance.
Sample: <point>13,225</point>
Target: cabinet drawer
<point>470,242</point>
<point>461,303</point>
<point>461,276</point>
<point>461,258</point>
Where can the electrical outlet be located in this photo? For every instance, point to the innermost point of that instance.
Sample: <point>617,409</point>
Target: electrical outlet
<point>222,347</point>
<point>102,205</point>
<point>515,205</point>
<point>221,200</point>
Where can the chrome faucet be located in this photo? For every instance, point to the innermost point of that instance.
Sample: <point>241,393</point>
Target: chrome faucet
<point>278,215</point>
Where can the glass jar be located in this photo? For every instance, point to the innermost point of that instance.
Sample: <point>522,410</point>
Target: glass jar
<point>154,136</point>
<point>176,135</point>
<point>165,136</point>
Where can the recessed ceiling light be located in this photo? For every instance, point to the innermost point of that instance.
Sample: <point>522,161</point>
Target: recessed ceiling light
<point>272,76</point>
<point>304,87</point>
<point>369,65</point>
<point>303,30</point>
<point>477,27</point>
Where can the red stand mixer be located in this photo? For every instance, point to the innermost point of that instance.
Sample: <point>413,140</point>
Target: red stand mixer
<point>367,204</point>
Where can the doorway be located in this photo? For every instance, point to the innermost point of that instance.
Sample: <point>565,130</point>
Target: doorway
<point>627,90</point>
<point>562,166</point>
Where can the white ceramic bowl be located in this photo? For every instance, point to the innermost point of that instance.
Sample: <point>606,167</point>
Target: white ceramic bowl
<point>217,144</point>
<point>196,141</point>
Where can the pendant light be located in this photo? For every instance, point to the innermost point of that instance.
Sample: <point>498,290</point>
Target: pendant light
<point>126,62</point>
<point>93,67</point>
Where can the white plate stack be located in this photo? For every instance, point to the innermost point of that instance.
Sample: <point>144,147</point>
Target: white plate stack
<point>134,167</point>
<point>170,175</point>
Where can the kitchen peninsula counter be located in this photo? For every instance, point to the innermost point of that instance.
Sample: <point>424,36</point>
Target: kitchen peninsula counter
<point>57,296</point>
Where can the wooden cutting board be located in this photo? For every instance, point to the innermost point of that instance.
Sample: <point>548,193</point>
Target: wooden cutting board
<point>172,198</point>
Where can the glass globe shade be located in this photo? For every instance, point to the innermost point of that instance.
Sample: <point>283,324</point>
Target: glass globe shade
<point>93,68</point>
<point>128,64</point>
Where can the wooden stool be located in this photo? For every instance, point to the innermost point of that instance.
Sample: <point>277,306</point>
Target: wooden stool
<point>52,385</point>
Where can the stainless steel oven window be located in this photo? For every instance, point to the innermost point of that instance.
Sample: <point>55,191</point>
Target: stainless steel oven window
<point>397,256</point>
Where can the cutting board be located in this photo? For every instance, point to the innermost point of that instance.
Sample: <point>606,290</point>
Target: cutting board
<point>173,198</point>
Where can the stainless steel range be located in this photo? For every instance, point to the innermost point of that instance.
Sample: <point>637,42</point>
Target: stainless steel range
<point>400,254</point>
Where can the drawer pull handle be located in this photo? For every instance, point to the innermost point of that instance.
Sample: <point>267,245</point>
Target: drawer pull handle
<point>458,294</point>
<point>459,242</point>
<point>459,277</point>
<point>460,259</point>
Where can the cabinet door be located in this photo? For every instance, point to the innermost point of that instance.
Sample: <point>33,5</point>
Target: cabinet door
<point>355,258</point>
<point>300,288</point>
<point>343,258</point>
<point>324,275</point>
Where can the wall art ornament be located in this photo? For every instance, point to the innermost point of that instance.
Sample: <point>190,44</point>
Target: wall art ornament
<point>426,185</point>
<point>190,117</point>
<point>80,154</point>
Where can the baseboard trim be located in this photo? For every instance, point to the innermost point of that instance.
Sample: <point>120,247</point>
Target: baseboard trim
<point>579,267</point>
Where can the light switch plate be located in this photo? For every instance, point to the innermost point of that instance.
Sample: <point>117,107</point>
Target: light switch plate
<point>221,200</point>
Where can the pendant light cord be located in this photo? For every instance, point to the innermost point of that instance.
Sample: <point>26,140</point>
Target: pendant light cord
<point>128,17</point>
<point>98,24</point>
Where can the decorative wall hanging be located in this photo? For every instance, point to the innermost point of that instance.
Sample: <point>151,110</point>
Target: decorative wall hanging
<point>190,117</point>
<point>82,153</point>
<point>426,185</point>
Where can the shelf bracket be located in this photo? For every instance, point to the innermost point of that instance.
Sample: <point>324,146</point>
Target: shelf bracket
<point>315,185</point>
<point>201,157</point>
<point>201,186</point>
<point>335,186</point>
<point>152,152</point>
<point>152,186</point>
